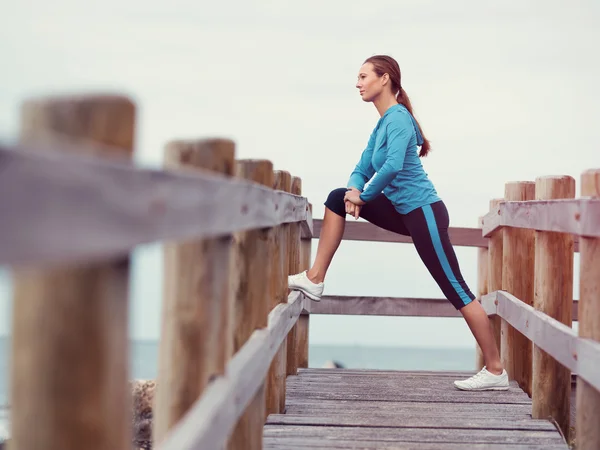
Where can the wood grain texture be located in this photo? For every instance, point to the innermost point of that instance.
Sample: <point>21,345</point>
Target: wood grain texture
<point>376,420</point>
<point>581,356</point>
<point>293,268</point>
<point>365,231</point>
<point>249,281</point>
<point>303,322</point>
<point>210,421</point>
<point>69,366</point>
<point>495,263</point>
<point>277,372</point>
<point>518,255</point>
<point>588,395</point>
<point>551,381</point>
<point>482,289</point>
<point>384,306</point>
<point>196,336</point>
<point>71,208</point>
<point>574,216</point>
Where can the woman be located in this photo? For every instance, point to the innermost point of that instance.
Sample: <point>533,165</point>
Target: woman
<point>402,199</point>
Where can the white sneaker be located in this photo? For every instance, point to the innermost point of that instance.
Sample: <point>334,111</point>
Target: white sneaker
<point>300,282</point>
<point>484,381</point>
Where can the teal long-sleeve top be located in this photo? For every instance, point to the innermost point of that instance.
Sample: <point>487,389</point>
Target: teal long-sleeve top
<point>392,165</point>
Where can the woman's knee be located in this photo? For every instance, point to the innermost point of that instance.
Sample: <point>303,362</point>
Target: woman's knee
<point>335,201</point>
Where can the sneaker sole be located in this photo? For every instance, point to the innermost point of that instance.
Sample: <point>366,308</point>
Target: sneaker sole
<point>308,294</point>
<point>499,388</point>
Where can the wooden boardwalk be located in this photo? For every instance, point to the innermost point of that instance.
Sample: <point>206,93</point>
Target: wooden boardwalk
<point>368,409</point>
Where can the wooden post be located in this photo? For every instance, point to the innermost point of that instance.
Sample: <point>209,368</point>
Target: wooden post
<point>251,265</point>
<point>304,319</point>
<point>69,369</point>
<point>517,279</point>
<point>553,296</point>
<point>277,371</point>
<point>293,268</point>
<point>588,399</point>
<point>196,334</point>
<point>495,244</point>
<point>482,289</point>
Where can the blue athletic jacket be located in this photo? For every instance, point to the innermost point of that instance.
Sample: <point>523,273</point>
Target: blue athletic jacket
<point>392,154</point>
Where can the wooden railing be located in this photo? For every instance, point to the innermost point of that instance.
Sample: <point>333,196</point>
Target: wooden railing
<point>230,332</point>
<point>73,208</point>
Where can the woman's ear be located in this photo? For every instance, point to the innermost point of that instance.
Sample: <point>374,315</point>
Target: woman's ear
<point>385,78</point>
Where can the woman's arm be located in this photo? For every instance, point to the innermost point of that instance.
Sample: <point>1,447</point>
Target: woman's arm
<point>398,137</point>
<point>364,169</point>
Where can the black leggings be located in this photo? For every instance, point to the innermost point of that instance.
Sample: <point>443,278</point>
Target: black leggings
<point>428,228</point>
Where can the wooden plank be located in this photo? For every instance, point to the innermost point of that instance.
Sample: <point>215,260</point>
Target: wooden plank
<point>249,287</point>
<point>294,263</point>
<point>575,216</point>
<point>409,420</point>
<point>392,306</point>
<point>551,382</point>
<point>196,332</point>
<point>282,443</point>
<point>70,347</point>
<point>211,419</point>
<point>518,257</point>
<point>71,208</point>
<point>391,395</point>
<point>365,231</point>
<point>377,373</point>
<point>402,435</point>
<point>275,402</point>
<point>384,306</point>
<point>581,356</point>
<point>495,252</point>
<point>588,395</point>
<point>297,405</point>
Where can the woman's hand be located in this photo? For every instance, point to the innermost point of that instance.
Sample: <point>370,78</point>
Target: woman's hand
<point>353,202</point>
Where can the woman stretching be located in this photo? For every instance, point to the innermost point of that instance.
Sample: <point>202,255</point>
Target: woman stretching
<point>401,198</point>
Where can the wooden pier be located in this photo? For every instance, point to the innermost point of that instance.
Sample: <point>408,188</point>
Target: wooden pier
<point>232,370</point>
<point>372,409</point>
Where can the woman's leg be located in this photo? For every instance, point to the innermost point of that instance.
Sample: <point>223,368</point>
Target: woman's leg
<point>379,212</point>
<point>332,231</point>
<point>429,230</point>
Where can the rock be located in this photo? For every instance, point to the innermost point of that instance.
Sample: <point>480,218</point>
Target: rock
<point>143,398</point>
<point>333,365</point>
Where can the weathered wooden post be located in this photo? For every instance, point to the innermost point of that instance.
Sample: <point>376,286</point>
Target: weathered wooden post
<point>482,289</point>
<point>588,399</point>
<point>554,297</point>
<point>251,267</point>
<point>196,337</point>
<point>277,371</point>
<point>293,267</point>
<point>70,343</point>
<point>495,263</point>
<point>303,320</point>
<point>517,279</point>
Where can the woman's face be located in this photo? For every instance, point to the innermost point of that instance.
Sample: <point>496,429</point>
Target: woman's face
<point>369,84</point>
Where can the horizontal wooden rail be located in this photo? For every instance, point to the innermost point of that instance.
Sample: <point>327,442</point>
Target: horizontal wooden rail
<point>576,216</point>
<point>581,356</point>
<point>60,207</point>
<point>365,231</point>
<point>211,419</point>
<point>390,306</point>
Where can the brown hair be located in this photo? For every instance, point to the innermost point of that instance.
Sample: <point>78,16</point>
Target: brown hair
<point>386,64</point>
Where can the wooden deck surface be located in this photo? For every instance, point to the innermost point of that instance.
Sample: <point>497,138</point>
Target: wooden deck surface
<point>368,409</point>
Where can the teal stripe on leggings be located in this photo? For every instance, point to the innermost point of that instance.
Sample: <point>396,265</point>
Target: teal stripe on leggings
<point>439,250</point>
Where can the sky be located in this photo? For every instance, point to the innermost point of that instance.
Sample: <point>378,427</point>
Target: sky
<point>505,91</point>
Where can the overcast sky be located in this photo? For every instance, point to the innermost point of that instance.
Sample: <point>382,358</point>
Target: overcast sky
<point>505,91</point>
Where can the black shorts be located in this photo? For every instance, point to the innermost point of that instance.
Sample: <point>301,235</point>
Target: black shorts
<point>428,228</point>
